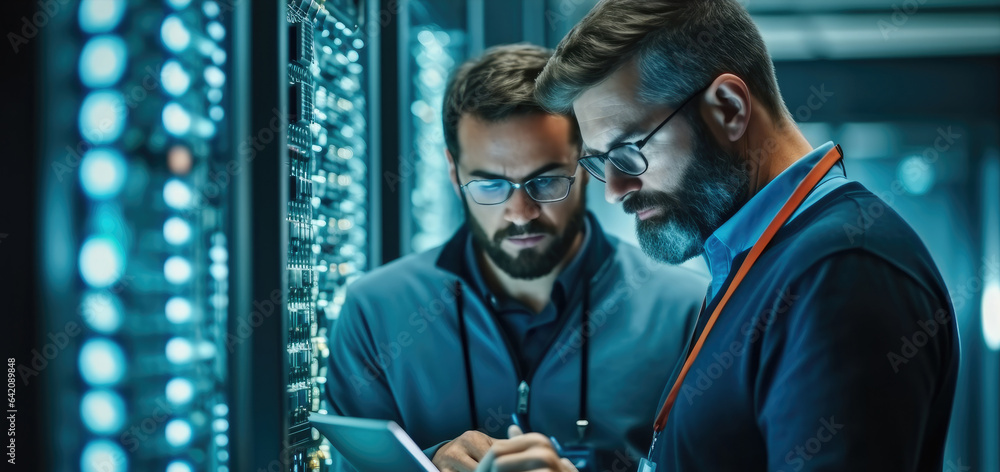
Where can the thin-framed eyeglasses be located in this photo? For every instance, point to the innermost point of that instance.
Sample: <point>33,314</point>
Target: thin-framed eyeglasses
<point>628,157</point>
<point>542,189</point>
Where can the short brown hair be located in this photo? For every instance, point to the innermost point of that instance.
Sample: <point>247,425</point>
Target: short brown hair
<point>495,86</point>
<point>680,46</point>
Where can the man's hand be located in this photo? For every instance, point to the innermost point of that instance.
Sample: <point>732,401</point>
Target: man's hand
<point>463,453</point>
<point>524,452</point>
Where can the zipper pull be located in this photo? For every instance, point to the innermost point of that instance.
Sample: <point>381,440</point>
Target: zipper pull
<point>522,398</point>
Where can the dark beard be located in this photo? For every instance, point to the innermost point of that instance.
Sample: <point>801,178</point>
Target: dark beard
<point>713,189</point>
<point>529,263</point>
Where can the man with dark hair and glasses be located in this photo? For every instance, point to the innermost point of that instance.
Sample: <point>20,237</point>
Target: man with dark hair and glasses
<point>530,309</point>
<point>828,340</point>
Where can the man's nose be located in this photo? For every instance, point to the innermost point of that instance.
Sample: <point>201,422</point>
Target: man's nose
<point>521,208</point>
<point>618,185</point>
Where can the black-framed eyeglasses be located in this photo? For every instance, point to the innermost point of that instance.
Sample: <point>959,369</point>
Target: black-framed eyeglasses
<point>628,157</point>
<point>542,189</point>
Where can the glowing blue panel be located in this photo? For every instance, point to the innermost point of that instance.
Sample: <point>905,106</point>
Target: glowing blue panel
<point>102,173</point>
<point>177,270</point>
<point>178,433</point>
<point>179,466</point>
<point>100,16</point>
<point>175,34</point>
<point>174,78</point>
<point>178,4</point>
<point>179,391</point>
<point>103,456</point>
<point>991,315</point>
<point>101,311</point>
<point>102,116</point>
<point>101,362</point>
<point>916,174</point>
<point>102,61</point>
<point>102,261</point>
<point>178,310</point>
<point>177,194</point>
<point>102,411</point>
<point>179,351</point>
<point>176,231</point>
<point>176,119</point>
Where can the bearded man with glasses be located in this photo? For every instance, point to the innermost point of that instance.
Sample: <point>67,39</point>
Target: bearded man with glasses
<point>530,309</point>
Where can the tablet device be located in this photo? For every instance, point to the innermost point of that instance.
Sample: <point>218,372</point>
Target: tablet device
<point>372,445</point>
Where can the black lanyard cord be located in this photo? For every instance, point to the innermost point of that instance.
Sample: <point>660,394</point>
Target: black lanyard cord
<point>582,423</point>
<point>464,335</point>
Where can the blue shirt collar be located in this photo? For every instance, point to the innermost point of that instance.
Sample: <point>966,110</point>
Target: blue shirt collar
<point>740,232</point>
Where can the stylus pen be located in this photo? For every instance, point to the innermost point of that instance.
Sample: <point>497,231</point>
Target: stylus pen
<point>555,442</point>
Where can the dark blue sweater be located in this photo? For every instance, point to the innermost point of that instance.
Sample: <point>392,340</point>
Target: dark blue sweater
<point>839,351</point>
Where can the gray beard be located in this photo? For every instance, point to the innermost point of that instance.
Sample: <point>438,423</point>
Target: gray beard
<point>713,189</point>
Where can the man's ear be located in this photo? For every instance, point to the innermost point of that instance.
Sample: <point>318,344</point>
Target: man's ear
<point>727,107</point>
<point>453,172</point>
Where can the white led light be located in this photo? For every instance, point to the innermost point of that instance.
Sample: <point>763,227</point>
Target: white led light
<point>218,271</point>
<point>178,310</point>
<point>174,78</point>
<point>102,411</point>
<point>214,95</point>
<point>178,433</point>
<point>176,119</point>
<point>216,30</point>
<point>358,43</point>
<point>102,261</point>
<point>216,113</point>
<point>179,466</point>
<point>220,425</point>
<point>211,9</point>
<point>102,61</point>
<point>102,117</point>
<point>102,173</point>
<point>176,231</point>
<point>179,351</point>
<point>179,391</point>
<point>221,440</point>
<point>214,77</point>
<point>219,57</point>
<point>103,456</point>
<point>101,362</point>
<point>352,56</point>
<point>177,194</point>
<point>100,16</point>
<point>177,270</point>
<point>916,175</point>
<point>175,34</point>
<point>101,311</point>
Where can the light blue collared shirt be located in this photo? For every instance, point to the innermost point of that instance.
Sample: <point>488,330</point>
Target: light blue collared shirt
<point>740,232</point>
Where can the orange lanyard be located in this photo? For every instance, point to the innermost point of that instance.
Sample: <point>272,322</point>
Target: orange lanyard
<point>798,196</point>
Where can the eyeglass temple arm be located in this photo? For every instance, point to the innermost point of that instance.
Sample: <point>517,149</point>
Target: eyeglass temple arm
<point>641,143</point>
